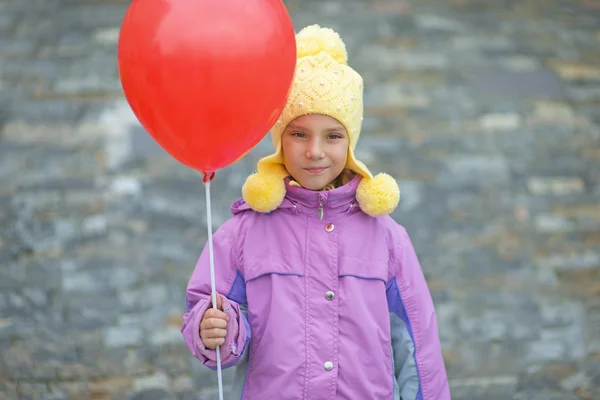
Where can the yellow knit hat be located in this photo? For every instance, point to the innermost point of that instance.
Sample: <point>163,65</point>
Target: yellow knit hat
<point>323,84</point>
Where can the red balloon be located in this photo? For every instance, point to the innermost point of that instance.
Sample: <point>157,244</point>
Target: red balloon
<point>207,78</point>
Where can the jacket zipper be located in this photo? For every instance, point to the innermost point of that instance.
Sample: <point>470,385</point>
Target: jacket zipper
<point>320,212</point>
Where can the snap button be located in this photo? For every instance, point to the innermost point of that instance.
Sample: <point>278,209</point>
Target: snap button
<point>329,227</point>
<point>328,366</point>
<point>329,295</point>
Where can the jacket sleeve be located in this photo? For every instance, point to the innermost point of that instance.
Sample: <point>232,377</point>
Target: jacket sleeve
<point>421,373</point>
<point>231,285</point>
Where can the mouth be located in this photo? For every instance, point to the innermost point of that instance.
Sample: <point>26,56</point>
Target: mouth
<point>315,171</point>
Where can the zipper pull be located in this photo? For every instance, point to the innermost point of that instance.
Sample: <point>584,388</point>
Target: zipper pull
<point>320,212</point>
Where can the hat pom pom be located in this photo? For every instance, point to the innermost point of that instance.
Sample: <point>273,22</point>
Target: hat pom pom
<point>263,192</point>
<point>313,39</point>
<point>378,196</point>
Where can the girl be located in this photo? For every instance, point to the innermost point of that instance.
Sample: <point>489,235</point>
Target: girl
<point>321,295</point>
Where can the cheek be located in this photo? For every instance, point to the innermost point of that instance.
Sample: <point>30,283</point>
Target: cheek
<point>290,151</point>
<point>285,147</point>
<point>341,154</point>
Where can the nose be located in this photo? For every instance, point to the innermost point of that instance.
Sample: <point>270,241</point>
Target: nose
<point>315,150</point>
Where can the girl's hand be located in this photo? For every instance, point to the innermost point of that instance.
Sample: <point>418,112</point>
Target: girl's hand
<point>213,326</point>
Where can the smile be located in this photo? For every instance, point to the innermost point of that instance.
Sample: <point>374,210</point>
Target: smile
<point>315,171</point>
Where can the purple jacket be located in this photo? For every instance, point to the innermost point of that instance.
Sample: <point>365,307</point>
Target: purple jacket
<point>333,305</point>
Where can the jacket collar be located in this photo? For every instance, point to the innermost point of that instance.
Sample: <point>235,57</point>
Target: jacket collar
<point>299,200</point>
<point>335,201</point>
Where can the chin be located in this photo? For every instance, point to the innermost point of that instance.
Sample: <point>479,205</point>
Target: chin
<point>313,185</point>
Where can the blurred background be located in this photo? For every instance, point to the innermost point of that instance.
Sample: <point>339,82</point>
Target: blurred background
<point>487,113</point>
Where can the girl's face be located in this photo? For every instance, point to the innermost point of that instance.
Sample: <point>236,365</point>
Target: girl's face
<point>315,149</point>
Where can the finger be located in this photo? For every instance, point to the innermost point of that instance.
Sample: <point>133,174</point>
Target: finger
<point>214,313</point>
<point>212,323</point>
<point>213,333</point>
<point>213,343</point>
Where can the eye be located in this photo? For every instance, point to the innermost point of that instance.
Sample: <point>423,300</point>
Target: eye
<point>334,136</point>
<point>298,134</point>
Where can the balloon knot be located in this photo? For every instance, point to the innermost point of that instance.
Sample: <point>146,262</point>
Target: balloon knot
<point>208,176</point>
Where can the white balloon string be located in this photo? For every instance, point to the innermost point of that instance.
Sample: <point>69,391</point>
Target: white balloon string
<point>212,279</point>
